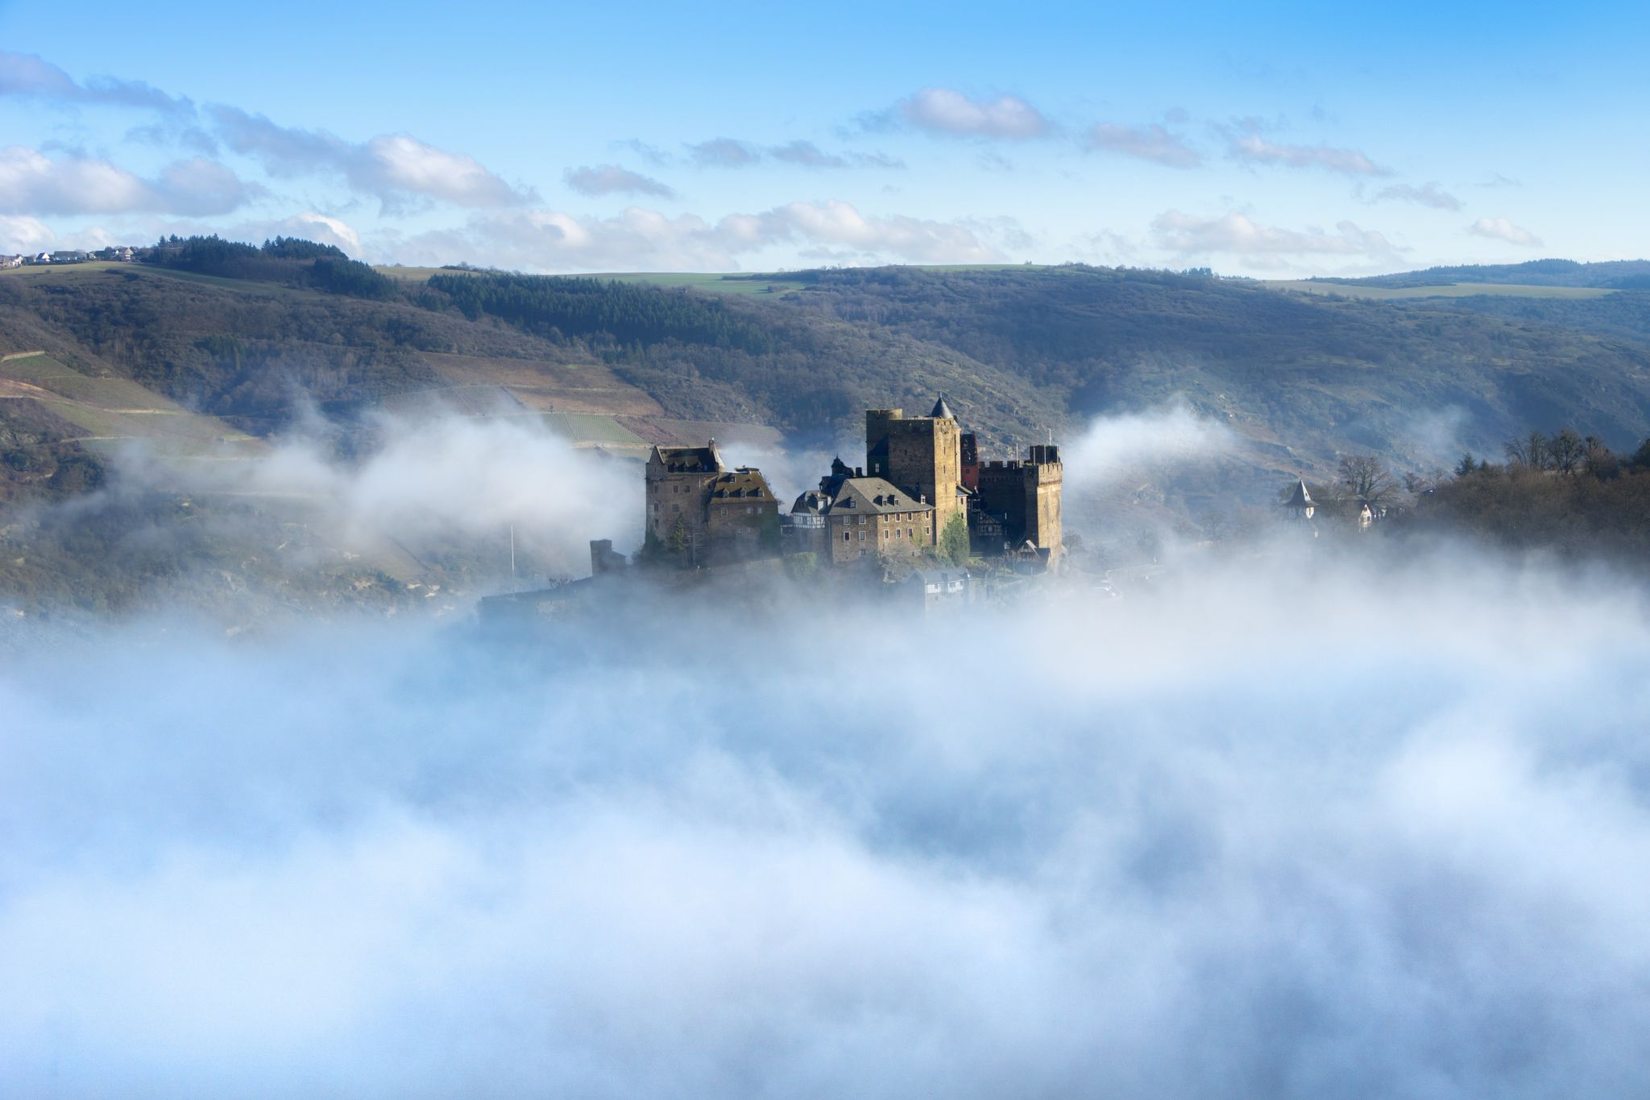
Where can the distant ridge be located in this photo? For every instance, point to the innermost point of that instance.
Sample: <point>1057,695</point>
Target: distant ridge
<point>1610,275</point>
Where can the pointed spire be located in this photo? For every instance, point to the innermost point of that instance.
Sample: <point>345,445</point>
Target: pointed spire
<point>942,410</point>
<point>1298,496</point>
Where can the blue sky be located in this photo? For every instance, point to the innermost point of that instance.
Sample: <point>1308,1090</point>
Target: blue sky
<point>1302,139</point>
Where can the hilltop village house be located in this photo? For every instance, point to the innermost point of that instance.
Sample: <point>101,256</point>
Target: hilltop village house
<point>921,478</point>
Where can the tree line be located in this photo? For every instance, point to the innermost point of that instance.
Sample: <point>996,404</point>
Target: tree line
<point>1563,491</point>
<point>291,261</point>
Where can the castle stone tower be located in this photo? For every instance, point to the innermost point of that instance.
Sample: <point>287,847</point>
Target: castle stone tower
<point>1025,497</point>
<point>921,455</point>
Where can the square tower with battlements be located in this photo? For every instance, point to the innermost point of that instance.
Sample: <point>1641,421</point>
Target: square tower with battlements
<point>1021,500</point>
<point>920,455</point>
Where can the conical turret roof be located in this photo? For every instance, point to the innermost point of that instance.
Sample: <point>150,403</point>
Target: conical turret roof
<point>941,409</point>
<point>1298,496</point>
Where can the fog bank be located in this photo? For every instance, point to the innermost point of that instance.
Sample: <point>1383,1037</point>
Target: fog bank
<point>1339,829</point>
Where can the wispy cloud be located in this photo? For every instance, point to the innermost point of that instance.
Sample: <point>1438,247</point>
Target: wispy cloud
<point>1239,234</point>
<point>949,112</point>
<point>1429,194</point>
<point>610,179</point>
<point>33,183</point>
<point>725,152</point>
<point>393,168</point>
<point>1252,148</point>
<point>1153,142</point>
<point>809,155</point>
<point>1502,229</point>
<point>29,75</point>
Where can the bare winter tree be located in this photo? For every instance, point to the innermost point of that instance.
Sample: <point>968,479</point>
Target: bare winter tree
<point>1365,478</point>
<point>1530,451</point>
<point>1566,451</point>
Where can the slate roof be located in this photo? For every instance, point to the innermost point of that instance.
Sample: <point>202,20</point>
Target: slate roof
<point>874,496</point>
<point>813,502</point>
<point>689,460</point>
<point>740,486</point>
<point>941,409</point>
<point>1298,496</point>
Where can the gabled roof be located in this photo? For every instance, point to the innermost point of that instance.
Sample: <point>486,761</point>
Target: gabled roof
<point>688,460</point>
<point>740,486</point>
<point>874,496</point>
<point>813,502</point>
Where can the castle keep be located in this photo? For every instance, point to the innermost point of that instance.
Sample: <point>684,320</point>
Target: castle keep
<point>920,454</point>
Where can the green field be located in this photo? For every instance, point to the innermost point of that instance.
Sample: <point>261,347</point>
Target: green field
<point>752,285</point>
<point>113,410</point>
<point>590,428</point>
<point>715,282</point>
<point>64,273</point>
<point>1448,290</point>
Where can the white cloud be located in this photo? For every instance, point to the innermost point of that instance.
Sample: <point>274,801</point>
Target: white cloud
<point>1153,143</point>
<point>1429,194</point>
<point>24,234</point>
<point>314,226</point>
<point>1254,149</point>
<point>393,168</point>
<point>1239,234</point>
<point>1502,229</point>
<point>918,240</point>
<point>647,240</point>
<point>32,183</point>
<point>610,179</point>
<point>401,163</point>
<point>946,111</point>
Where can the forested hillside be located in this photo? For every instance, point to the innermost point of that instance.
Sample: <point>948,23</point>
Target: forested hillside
<point>212,351</point>
<point>252,336</point>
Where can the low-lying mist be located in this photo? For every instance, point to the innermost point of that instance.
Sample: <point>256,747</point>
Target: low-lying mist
<point>432,478</point>
<point>1279,827</point>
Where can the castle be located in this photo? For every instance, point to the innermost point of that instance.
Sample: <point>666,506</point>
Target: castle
<point>922,488</point>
